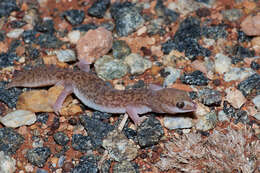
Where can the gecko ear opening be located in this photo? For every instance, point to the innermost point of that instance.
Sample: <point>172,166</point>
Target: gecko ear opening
<point>155,87</point>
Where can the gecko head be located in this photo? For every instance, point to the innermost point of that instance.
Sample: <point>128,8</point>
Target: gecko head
<point>170,100</point>
<point>18,79</point>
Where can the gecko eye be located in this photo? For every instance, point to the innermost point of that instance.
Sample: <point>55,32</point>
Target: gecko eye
<point>180,104</point>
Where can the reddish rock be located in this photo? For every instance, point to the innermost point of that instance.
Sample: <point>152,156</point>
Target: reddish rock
<point>94,44</point>
<point>251,25</point>
<point>235,97</point>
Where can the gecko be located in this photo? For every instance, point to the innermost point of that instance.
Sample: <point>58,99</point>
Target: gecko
<point>96,94</point>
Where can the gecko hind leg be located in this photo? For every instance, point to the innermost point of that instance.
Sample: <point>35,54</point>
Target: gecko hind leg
<point>61,98</point>
<point>133,112</point>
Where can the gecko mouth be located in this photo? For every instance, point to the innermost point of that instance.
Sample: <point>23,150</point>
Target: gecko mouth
<point>190,106</point>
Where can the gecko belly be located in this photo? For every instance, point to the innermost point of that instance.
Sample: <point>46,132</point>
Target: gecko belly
<point>98,107</point>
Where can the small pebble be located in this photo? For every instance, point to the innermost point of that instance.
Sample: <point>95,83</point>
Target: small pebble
<point>195,78</point>
<point>127,18</point>
<point>74,17</point>
<point>7,163</point>
<point>42,117</point>
<point>137,63</point>
<point>15,33</point>
<point>210,97</point>
<point>61,161</point>
<point>149,132</point>
<point>119,147</point>
<point>18,118</point>
<point>10,140</point>
<point>66,55</point>
<point>256,44</point>
<point>222,63</point>
<point>74,36</point>
<point>123,167</point>
<point>207,122</point>
<point>242,52</point>
<point>38,156</point>
<point>96,128</point>
<point>239,74</point>
<point>109,68</point>
<point>61,138</point>
<point>222,116</point>
<point>81,143</point>
<point>38,100</point>
<point>250,83</point>
<point>235,97</point>
<point>177,122</point>
<point>174,74</point>
<point>98,8</point>
<point>232,14</point>
<point>120,49</point>
<point>87,164</point>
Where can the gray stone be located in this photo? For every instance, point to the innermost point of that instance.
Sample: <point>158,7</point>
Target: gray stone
<point>149,132</point>
<point>207,122</point>
<point>38,156</point>
<point>119,147</point>
<point>123,167</point>
<point>137,63</point>
<point>66,55</point>
<point>238,74</point>
<point>172,77</point>
<point>222,116</point>
<point>127,18</point>
<point>109,68</point>
<point>232,14</point>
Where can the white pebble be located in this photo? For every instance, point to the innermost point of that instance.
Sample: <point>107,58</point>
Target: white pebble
<point>15,33</point>
<point>66,55</point>
<point>74,36</point>
<point>7,163</point>
<point>177,122</point>
<point>222,63</point>
<point>18,118</point>
<point>238,74</point>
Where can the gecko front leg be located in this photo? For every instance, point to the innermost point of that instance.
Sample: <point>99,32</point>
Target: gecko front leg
<point>133,112</point>
<point>68,89</point>
<point>84,65</point>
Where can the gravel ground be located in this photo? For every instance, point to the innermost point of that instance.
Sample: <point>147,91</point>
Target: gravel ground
<point>208,48</point>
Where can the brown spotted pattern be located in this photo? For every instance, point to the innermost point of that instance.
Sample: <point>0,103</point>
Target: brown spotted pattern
<point>96,91</point>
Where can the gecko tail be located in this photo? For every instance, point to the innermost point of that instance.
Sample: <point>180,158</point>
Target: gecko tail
<point>36,77</point>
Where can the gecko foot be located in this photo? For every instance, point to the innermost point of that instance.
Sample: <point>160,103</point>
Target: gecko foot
<point>140,120</point>
<point>133,111</point>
